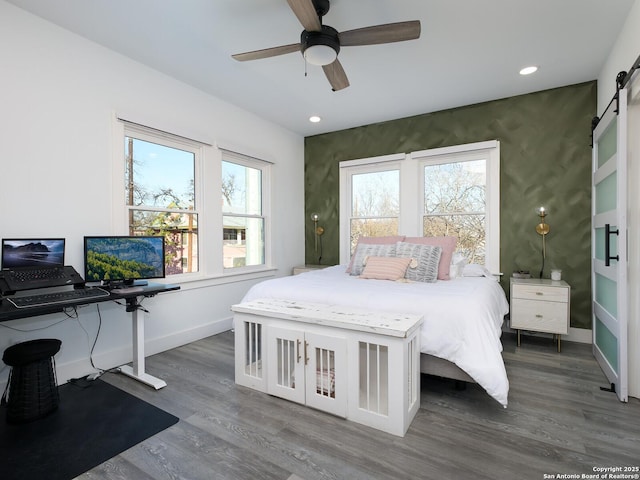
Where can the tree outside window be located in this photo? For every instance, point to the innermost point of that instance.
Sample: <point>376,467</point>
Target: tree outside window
<point>375,204</point>
<point>455,205</point>
<point>160,197</point>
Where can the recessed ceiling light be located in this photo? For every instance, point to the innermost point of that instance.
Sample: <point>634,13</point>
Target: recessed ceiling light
<point>528,70</point>
<point>314,119</point>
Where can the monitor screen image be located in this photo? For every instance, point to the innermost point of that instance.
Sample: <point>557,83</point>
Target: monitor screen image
<point>31,252</point>
<point>123,259</point>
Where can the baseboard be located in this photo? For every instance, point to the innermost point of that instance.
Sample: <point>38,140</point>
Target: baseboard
<point>124,354</point>
<point>578,335</point>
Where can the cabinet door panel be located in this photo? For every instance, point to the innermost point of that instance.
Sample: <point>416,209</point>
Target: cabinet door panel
<point>326,381</point>
<point>285,365</point>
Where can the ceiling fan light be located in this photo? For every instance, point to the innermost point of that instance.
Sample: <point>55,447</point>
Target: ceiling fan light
<point>320,55</point>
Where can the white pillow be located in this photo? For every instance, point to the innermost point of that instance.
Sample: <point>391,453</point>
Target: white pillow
<point>458,261</point>
<point>475,270</point>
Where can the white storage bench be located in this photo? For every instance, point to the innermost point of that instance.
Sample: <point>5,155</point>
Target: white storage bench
<point>358,364</point>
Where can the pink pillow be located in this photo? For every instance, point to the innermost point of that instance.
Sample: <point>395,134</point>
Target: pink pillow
<point>389,240</point>
<point>385,268</point>
<point>448,245</point>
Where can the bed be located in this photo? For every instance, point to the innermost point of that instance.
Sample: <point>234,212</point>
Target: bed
<point>460,335</point>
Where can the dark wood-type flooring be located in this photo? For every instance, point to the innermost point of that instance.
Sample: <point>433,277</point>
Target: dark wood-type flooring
<point>558,422</point>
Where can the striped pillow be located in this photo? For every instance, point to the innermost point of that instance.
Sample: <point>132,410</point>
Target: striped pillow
<point>428,259</point>
<point>385,268</point>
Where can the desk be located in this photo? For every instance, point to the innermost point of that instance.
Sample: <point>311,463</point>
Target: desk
<point>136,371</point>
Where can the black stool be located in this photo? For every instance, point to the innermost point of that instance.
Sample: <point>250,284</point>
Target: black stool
<point>32,390</point>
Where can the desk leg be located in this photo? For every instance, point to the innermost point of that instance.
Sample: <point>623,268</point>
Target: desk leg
<point>137,370</point>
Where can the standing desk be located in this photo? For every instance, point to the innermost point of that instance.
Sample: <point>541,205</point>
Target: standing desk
<point>132,305</point>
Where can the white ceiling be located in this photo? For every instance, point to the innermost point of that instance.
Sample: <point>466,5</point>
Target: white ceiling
<point>470,51</point>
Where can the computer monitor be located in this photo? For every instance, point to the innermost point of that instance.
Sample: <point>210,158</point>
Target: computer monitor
<point>20,253</point>
<point>128,260</point>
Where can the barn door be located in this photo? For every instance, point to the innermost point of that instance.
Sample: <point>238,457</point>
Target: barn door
<point>609,244</point>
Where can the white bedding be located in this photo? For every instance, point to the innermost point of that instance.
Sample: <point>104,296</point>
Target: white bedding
<point>462,317</point>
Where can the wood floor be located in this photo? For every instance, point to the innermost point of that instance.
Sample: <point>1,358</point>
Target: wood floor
<point>558,422</point>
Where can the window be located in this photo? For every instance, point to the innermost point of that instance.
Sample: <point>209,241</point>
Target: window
<point>171,186</point>
<point>375,204</point>
<point>243,210</point>
<point>160,195</point>
<point>454,204</point>
<point>371,188</point>
<point>452,191</point>
<point>460,196</point>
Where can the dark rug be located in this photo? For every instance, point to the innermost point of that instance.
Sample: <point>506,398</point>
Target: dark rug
<point>91,425</point>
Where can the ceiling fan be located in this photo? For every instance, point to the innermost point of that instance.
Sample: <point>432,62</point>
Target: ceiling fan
<point>320,44</point>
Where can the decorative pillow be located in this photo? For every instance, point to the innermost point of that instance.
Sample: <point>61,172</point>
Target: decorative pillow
<point>448,245</point>
<point>364,250</point>
<point>428,259</point>
<point>385,268</point>
<point>364,241</point>
<point>390,240</point>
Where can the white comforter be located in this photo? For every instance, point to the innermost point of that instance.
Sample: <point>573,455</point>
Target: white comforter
<point>462,317</point>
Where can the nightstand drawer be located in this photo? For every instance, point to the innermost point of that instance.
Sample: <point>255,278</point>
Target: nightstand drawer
<point>540,293</point>
<point>540,316</point>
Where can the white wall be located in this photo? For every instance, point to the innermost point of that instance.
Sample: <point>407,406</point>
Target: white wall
<point>623,54</point>
<point>58,94</point>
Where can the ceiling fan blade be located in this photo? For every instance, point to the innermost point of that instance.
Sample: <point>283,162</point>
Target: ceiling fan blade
<point>336,76</point>
<point>388,33</point>
<point>267,52</point>
<point>306,13</point>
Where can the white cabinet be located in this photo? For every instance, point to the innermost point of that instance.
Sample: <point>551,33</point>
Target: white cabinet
<point>540,305</point>
<point>302,368</point>
<point>357,364</point>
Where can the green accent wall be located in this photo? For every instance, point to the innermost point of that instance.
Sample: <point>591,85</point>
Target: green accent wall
<point>545,146</point>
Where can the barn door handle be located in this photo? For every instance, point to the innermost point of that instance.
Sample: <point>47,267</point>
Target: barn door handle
<point>607,245</point>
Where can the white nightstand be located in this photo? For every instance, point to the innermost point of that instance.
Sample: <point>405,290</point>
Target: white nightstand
<point>540,305</point>
<point>307,268</point>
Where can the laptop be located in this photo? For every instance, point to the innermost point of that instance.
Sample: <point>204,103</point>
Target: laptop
<point>29,263</point>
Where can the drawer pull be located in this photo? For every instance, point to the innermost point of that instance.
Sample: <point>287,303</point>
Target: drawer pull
<point>538,315</point>
<point>539,293</point>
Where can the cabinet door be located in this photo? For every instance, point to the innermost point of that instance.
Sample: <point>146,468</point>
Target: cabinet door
<point>285,365</point>
<point>249,349</point>
<point>325,373</point>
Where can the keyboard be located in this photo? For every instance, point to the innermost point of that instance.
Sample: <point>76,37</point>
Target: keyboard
<point>65,297</point>
<point>29,278</point>
<point>36,274</point>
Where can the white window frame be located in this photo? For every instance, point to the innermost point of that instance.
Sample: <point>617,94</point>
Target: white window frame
<point>412,187</point>
<point>356,167</point>
<point>265,169</point>
<point>489,151</point>
<point>208,186</point>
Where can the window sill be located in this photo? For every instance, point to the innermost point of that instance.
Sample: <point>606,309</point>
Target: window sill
<point>189,282</point>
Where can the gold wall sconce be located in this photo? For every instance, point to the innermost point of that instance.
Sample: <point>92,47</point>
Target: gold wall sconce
<point>317,231</point>
<point>543,230</point>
